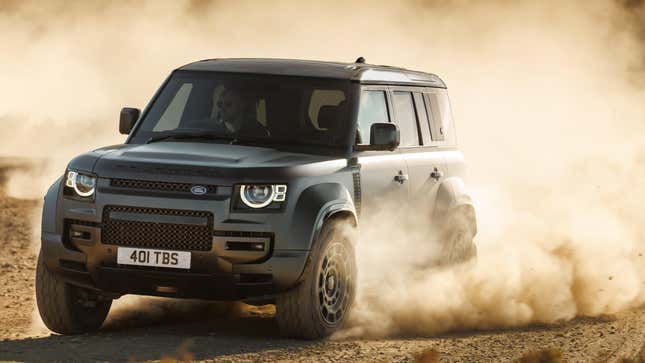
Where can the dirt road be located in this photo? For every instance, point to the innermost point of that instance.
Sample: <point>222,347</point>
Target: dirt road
<point>157,329</point>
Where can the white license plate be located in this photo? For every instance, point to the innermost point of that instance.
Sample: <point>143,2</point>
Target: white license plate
<point>148,257</point>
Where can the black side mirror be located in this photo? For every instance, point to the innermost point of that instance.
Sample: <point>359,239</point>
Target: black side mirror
<point>128,118</point>
<point>384,136</point>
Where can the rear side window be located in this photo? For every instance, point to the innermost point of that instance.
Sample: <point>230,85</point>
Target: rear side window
<point>440,115</point>
<point>373,109</point>
<point>406,118</point>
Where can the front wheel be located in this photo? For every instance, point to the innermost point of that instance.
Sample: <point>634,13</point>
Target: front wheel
<point>319,305</point>
<point>68,309</point>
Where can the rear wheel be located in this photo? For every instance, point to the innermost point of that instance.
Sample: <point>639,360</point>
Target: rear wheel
<point>459,230</point>
<point>68,309</point>
<point>319,305</point>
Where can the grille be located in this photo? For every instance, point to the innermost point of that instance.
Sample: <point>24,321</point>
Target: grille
<point>156,185</point>
<point>136,227</point>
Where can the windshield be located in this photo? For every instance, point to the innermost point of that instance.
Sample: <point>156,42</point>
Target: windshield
<point>254,107</point>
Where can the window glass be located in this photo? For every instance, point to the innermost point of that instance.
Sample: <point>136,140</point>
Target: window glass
<point>441,115</point>
<point>373,109</point>
<point>281,109</point>
<point>445,112</point>
<point>433,116</point>
<point>169,120</point>
<point>320,98</point>
<point>406,118</point>
<point>422,113</point>
<point>261,112</point>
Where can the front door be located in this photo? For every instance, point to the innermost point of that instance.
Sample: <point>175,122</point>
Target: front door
<point>384,179</point>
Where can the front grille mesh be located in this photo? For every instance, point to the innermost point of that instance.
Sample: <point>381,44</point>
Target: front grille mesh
<point>156,185</point>
<point>134,233</point>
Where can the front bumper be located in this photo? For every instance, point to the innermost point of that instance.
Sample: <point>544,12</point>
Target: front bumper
<point>94,266</point>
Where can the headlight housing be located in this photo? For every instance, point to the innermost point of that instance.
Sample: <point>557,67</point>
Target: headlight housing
<point>80,185</point>
<point>258,196</point>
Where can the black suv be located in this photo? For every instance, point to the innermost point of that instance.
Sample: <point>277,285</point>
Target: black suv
<point>246,179</point>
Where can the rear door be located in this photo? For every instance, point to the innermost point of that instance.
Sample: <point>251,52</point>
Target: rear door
<point>382,173</point>
<point>443,131</point>
<point>424,161</point>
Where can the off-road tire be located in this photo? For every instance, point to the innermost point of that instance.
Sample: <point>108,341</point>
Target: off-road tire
<point>64,307</point>
<point>459,230</point>
<point>299,311</point>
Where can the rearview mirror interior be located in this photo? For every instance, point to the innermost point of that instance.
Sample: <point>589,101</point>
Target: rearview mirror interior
<point>128,118</point>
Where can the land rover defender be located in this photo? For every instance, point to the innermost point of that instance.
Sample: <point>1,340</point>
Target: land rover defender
<point>246,179</point>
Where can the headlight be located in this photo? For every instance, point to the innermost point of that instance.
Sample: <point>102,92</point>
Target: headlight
<point>84,185</point>
<point>261,195</point>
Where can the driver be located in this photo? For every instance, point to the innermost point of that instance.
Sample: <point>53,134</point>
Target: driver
<point>233,116</point>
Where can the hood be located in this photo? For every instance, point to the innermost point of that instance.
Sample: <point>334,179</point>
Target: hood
<point>171,161</point>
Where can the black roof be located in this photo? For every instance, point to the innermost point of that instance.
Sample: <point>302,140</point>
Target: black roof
<point>361,72</point>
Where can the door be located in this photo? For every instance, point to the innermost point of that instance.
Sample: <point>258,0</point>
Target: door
<point>383,174</point>
<point>425,163</point>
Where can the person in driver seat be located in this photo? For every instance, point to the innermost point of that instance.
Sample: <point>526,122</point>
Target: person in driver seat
<point>234,118</point>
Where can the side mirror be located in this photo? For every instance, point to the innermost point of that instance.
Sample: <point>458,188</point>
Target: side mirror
<point>384,136</point>
<point>128,118</point>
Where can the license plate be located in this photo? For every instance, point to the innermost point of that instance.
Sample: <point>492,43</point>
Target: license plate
<point>157,258</point>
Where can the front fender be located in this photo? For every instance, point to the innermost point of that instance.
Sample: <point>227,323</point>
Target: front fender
<point>314,206</point>
<point>50,209</point>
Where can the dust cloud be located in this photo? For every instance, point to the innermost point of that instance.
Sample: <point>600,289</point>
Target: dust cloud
<point>137,311</point>
<point>548,99</point>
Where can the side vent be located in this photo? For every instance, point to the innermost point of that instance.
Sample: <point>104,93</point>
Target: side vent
<point>356,176</point>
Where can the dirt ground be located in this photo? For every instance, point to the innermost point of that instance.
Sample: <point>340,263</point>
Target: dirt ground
<point>167,330</point>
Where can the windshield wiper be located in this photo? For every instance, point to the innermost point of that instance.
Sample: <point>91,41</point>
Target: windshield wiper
<point>191,135</point>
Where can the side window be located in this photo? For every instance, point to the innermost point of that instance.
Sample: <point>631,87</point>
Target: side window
<point>424,123</point>
<point>406,118</point>
<point>171,117</point>
<point>373,109</point>
<point>441,115</point>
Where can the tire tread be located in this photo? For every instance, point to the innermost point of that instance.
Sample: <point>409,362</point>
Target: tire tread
<point>296,315</point>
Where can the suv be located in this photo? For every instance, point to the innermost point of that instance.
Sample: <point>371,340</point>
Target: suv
<point>244,179</point>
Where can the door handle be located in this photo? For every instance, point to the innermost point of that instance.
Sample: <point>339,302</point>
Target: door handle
<point>436,174</point>
<point>401,178</point>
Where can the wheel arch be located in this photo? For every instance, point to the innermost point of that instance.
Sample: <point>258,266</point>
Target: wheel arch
<point>318,204</point>
<point>49,222</point>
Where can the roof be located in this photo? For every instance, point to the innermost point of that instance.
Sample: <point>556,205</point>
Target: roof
<point>361,72</point>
